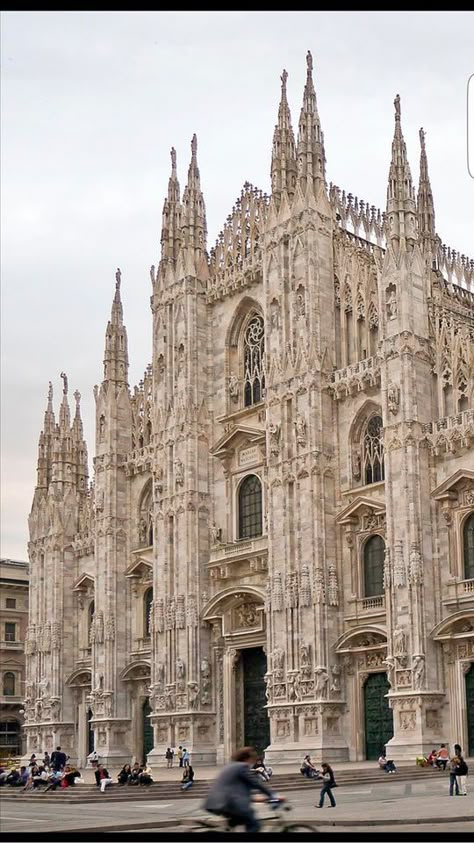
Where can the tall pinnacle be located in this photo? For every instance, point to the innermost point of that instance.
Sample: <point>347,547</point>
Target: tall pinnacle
<point>310,150</point>
<point>283,169</point>
<point>425,204</point>
<point>401,209</point>
<point>64,412</point>
<point>194,210</point>
<point>171,217</point>
<point>116,348</point>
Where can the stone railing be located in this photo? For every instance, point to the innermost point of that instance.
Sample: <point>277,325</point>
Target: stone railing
<point>371,603</point>
<point>468,586</point>
<point>358,377</point>
<point>450,433</point>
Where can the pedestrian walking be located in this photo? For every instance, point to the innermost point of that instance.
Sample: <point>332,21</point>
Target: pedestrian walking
<point>328,783</point>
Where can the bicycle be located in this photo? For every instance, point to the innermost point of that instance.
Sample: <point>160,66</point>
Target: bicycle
<point>276,821</point>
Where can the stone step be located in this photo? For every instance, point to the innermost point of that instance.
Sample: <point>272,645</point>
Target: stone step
<point>171,789</point>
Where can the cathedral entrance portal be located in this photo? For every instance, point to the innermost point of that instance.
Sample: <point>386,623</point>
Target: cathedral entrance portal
<point>256,722</point>
<point>378,715</point>
<point>470,710</point>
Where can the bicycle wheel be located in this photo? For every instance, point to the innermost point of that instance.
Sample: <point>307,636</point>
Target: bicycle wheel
<point>299,828</point>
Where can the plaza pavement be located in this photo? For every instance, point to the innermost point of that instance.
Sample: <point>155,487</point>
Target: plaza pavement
<point>389,805</point>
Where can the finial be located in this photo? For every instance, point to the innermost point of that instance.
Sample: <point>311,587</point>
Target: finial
<point>194,146</point>
<point>396,103</point>
<point>309,61</point>
<point>64,377</point>
<point>422,138</point>
<point>173,158</point>
<point>118,278</point>
<point>284,77</point>
<point>77,396</point>
<point>50,393</point>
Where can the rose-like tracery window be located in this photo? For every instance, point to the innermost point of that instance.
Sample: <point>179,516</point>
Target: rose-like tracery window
<point>254,374</point>
<point>373,451</point>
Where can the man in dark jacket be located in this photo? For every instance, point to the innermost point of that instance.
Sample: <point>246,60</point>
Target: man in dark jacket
<point>230,793</point>
<point>58,759</point>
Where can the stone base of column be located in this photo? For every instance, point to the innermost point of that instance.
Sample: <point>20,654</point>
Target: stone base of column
<point>417,724</point>
<point>314,728</point>
<point>48,735</point>
<point>111,740</point>
<point>192,730</point>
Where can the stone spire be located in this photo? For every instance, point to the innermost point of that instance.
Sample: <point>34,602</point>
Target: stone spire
<point>194,225</point>
<point>64,412</point>
<point>79,446</point>
<point>116,347</point>
<point>171,217</point>
<point>425,204</point>
<point>283,169</point>
<point>44,465</point>
<point>401,208</point>
<point>310,150</point>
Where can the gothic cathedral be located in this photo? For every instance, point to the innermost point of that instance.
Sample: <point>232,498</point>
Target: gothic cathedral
<point>277,547</point>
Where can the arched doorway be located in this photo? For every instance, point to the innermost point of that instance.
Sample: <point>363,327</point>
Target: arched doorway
<point>378,715</point>
<point>147,729</point>
<point>470,710</point>
<point>90,733</point>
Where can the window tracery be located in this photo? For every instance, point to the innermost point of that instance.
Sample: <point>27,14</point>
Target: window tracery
<point>254,372</point>
<point>372,451</point>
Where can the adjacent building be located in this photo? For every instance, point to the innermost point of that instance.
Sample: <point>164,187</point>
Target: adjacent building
<point>14,582</point>
<point>277,546</point>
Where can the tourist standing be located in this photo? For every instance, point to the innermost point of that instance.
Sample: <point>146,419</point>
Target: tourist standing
<point>186,757</point>
<point>169,757</point>
<point>328,783</point>
<point>461,769</point>
<point>179,754</point>
<point>58,759</point>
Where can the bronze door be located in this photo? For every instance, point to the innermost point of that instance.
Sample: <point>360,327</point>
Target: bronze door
<point>256,722</point>
<point>378,715</point>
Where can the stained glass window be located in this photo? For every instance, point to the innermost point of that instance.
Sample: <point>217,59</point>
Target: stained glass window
<point>373,566</point>
<point>373,451</point>
<point>250,508</point>
<point>254,374</point>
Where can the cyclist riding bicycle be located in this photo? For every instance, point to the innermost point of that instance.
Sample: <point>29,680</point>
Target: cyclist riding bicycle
<point>230,793</point>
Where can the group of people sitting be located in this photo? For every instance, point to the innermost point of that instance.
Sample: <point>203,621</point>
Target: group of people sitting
<point>309,769</point>
<point>136,774</point>
<point>437,758</point>
<point>49,773</point>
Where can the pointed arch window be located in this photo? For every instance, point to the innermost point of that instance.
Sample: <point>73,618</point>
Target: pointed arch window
<point>9,684</point>
<point>250,508</point>
<point>254,373</point>
<point>374,549</point>
<point>373,467</point>
<point>147,606</point>
<point>468,545</point>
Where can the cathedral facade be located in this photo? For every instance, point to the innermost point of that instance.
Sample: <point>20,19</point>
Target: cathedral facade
<point>277,545</point>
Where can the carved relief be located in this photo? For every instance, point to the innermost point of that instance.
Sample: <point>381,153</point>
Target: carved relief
<point>400,645</point>
<point>407,720</point>
<point>399,568</point>
<point>305,586</point>
<point>305,660</point>
<point>300,428</point>
<point>319,591</point>
<point>335,685</point>
<point>215,533</point>
<point>234,388</point>
<point>246,616</point>
<point>322,679</point>
<point>333,588</point>
<point>274,438</point>
<point>391,301</point>
<point>418,672</point>
<point>291,592</point>
<point>179,472</point>
<point>277,597</point>
<point>278,658</point>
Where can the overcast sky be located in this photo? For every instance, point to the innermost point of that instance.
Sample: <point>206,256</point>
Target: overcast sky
<point>91,104</point>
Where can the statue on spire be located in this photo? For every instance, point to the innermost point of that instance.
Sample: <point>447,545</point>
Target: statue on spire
<point>77,396</point>
<point>173,158</point>
<point>396,103</point>
<point>284,77</point>
<point>194,146</point>
<point>309,61</point>
<point>118,278</point>
<point>50,394</point>
<point>64,377</point>
<point>422,138</point>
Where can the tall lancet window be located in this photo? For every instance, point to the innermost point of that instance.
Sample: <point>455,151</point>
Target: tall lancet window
<point>254,374</point>
<point>373,451</point>
<point>468,536</point>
